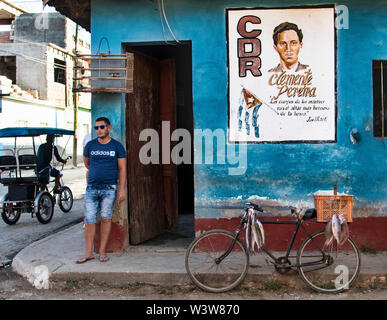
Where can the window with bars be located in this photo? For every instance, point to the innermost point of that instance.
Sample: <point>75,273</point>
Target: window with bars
<point>60,71</point>
<point>379,79</point>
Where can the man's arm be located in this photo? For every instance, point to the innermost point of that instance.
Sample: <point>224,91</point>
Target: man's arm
<point>86,161</point>
<point>57,156</point>
<point>122,169</point>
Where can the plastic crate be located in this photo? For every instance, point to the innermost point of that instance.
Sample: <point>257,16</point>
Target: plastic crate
<point>328,205</point>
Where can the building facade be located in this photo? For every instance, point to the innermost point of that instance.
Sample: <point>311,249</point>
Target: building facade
<point>277,155</point>
<point>36,68</point>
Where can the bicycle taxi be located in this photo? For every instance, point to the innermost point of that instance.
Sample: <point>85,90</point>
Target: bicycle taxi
<point>28,189</point>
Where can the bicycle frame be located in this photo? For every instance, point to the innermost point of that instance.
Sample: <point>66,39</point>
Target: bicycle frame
<point>297,223</point>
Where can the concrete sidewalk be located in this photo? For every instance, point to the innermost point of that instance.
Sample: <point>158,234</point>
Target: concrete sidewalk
<point>160,261</point>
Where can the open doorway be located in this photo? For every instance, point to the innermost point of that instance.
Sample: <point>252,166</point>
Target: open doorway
<point>181,57</point>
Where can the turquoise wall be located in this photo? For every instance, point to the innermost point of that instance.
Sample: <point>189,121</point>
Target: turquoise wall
<point>284,173</point>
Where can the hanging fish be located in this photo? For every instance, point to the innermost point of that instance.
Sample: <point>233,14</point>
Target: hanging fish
<point>248,230</point>
<point>328,234</point>
<point>336,227</point>
<point>253,236</point>
<point>261,232</point>
<point>255,239</point>
<point>344,234</point>
<point>254,232</point>
<point>257,236</point>
<point>336,230</point>
<point>258,233</point>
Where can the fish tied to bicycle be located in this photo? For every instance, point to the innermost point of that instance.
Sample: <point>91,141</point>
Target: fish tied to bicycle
<point>255,235</point>
<point>336,229</point>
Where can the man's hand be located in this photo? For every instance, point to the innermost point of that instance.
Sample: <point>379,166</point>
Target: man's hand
<point>121,196</point>
<point>122,169</point>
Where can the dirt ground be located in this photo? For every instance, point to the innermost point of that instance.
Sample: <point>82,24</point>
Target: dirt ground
<point>14,287</point>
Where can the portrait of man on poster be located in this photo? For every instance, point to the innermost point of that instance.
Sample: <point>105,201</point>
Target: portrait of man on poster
<point>287,39</point>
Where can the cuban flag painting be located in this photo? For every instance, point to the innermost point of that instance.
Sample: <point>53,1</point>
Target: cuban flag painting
<point>249,106</point>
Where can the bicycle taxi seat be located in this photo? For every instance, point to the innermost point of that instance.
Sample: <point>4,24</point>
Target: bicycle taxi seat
<point>26,162</point>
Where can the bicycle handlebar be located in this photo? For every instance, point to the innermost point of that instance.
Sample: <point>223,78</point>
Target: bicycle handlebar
<point>68,158</point>
<point>254,206</point>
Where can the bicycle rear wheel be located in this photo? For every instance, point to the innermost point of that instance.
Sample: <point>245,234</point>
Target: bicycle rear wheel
<point>322,270</point>
<point>208,273</point>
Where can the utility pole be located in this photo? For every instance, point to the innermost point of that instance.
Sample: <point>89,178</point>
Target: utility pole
<point>75,103</point>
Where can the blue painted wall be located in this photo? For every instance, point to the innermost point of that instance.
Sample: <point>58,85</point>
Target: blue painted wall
<point>285,173</point>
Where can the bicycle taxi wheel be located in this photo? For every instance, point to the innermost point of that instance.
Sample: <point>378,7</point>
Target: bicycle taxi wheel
<point>209,272</point>
<point>66,199</point>
<point>45,208</point>
<point>10,214</point>
<point>326,269</point>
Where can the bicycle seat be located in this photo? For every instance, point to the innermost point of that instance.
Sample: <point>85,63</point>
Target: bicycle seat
<point>304,214</point>
<point>254,206</point>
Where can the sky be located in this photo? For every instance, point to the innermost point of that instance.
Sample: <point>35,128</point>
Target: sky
<point>31,5</point>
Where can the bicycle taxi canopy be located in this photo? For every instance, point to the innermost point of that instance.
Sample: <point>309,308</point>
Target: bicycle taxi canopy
<point>16,161</point>
<point>32,132</point>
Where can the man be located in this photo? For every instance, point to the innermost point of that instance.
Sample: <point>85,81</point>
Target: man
<point>105,158</point>
<point>44,158</point>
<point>288,43</point>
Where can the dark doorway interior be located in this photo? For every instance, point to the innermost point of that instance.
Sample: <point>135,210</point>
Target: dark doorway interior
<point>8,67</point>
<point>182,55</point>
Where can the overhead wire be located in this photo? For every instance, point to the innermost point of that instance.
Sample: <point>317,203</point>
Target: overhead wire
<point>33,59</point>
<point>162,10</point>
<point>41,44</point>
<point>162,24</point>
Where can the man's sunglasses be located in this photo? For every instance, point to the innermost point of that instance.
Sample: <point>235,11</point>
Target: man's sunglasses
<point>100,127</point>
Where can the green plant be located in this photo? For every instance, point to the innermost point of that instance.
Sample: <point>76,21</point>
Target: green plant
<point>368,250</point>
<point>273,285</point>
<point>72,283</point>
<point>131,286</point>
<point>165,291</point>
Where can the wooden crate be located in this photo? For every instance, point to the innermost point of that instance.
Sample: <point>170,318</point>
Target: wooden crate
<point>327,205</point>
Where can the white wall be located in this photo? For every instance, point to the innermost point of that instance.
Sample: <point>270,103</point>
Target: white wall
<point>19,112</point>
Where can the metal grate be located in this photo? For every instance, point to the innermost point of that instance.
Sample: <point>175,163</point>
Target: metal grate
<point>104,73</point>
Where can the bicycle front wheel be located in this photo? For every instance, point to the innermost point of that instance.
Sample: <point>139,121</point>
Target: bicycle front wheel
<point>209,272</point>
<point>326,269</point>
<point>66,199</point>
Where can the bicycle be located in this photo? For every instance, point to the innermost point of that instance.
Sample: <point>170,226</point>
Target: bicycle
<point>218,261</point>
<point>63,196</point>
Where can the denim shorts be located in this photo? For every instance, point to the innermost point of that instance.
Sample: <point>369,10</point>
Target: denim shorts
<point>99,199</point>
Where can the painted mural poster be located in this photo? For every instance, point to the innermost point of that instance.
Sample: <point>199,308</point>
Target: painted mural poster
<point>281,65</point>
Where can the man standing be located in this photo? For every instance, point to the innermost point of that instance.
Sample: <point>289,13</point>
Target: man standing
<point>288,43</point>
<point>104,157</point>
<point>44,158</point>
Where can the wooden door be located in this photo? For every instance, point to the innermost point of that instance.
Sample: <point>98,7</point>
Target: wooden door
<point>145,182</point>
<point>168,113</point>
